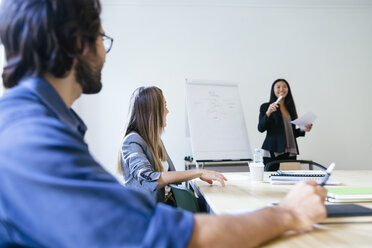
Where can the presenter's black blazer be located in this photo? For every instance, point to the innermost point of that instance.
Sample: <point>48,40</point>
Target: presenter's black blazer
<point>275,140</point>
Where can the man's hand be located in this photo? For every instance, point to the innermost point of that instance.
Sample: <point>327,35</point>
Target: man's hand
<point>305,203</point>
<point>210,176</point>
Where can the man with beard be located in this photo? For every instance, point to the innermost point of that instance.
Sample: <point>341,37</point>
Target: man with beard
<point>53,193</point>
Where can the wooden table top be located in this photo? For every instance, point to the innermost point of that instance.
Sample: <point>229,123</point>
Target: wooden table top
<point>241,195</point>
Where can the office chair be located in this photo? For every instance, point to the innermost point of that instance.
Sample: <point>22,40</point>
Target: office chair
<point>274,165</point>
<point>185,199</point>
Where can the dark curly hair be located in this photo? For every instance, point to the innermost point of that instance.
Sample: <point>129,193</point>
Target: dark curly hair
<point>44,36</point>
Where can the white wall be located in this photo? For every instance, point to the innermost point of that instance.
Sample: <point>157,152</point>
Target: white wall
<point>323,48</point>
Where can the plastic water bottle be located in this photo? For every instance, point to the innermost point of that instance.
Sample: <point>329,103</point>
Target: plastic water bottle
<point>257,167</point>
<point>257,156</point>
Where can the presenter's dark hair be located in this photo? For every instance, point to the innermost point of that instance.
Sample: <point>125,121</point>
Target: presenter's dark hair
<point>42,36</point>
<point>289,102</point>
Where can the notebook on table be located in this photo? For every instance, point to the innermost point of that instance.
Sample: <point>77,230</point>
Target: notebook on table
<point>350,194</point>
<point>347,213</point>
<point>292,177</point>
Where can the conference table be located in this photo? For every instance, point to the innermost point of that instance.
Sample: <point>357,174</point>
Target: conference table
<point>241,195</point>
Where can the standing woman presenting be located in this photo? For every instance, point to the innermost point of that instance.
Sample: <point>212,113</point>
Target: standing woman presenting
<point>275,118</point>
<point>143,160</point>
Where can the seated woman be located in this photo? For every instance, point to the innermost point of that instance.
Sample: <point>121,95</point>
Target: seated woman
<point>143,160</point>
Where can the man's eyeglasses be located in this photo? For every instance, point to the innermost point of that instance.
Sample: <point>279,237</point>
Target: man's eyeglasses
<point>107,42</point>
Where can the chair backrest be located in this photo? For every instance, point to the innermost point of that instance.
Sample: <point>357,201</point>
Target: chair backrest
<point>274,165</point>
<point>185,199</point>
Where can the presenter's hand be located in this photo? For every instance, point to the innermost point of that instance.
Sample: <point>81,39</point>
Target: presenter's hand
<point>305,203</point>
<point>210,176</point>
<point>272,108</point>
<point>308,127</point>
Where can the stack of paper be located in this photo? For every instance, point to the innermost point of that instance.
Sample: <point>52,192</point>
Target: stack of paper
<point>350,194</point>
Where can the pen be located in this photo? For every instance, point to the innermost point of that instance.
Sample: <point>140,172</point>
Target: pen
<point>329,171</point>
<point>278,100</point>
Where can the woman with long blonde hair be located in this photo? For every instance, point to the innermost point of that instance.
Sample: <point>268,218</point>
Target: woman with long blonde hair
<point>143,159</point>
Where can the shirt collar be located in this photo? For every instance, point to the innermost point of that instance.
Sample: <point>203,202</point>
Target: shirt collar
<point>54,102</point>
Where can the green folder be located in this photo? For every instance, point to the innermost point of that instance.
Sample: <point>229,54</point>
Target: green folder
<point>349,194</point>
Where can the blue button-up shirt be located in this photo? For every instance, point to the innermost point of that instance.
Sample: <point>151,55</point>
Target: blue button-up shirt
<point>54,194</point>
